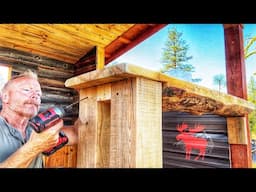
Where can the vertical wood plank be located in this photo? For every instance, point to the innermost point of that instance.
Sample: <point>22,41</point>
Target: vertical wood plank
<point>103,136</point>
<point>148,123</point>
<point>122,135</point>
<point>103,124</point>
<point>87,130</point>
<point>104,92</point>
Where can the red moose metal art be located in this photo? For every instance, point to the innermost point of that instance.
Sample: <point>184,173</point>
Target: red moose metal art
<point>191,141</point>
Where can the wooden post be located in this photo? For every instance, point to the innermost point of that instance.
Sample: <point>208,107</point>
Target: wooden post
<point>100,57</point>
<point>237,133</point>
<point>121,120</point>
<point>236,85</point>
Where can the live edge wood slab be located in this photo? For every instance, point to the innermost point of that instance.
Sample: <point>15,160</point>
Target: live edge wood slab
<point>177,95</point>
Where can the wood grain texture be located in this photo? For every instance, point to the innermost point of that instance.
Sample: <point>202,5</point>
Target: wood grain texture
<point>64,42</point>
<point>100,58</point>
<point>177,95</point>
<point>103,133</point>
<point>239,157</point>
<point>148,123</point>
<point>237,133</point>
<point>87,130</point>
<point>123,128</point>
<point>63,158</point>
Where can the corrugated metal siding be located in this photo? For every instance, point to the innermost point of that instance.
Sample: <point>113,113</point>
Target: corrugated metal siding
<point>214,132</point>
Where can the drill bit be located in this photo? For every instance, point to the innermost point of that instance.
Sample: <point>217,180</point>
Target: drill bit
<point>72,104</point>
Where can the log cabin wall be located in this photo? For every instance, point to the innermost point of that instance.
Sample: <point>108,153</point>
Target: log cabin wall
<point>52,75</point>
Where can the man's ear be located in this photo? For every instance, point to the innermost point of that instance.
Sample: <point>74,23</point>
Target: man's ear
<point>4,97</point>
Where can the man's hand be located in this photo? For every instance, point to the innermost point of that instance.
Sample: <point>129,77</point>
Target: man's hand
<point>47,138</point>
<point>72,132</point>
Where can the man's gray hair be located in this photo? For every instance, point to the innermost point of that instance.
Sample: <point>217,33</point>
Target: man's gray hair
<point>28,73</point>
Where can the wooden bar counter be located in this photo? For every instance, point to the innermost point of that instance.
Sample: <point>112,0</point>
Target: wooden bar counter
<point>121,119</point>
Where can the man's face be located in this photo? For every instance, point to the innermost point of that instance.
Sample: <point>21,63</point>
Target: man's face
<point>24,96</point>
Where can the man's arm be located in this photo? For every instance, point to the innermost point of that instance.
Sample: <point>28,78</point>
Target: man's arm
<point>21,158</point>
<point>37,143</point>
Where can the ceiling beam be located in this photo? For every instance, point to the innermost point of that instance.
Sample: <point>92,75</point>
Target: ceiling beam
<point>152,29</point>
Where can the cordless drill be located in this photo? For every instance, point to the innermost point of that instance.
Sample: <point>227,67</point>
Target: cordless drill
<point>49,117</point>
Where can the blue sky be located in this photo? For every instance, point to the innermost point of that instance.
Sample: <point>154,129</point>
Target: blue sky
<point>206,46</point>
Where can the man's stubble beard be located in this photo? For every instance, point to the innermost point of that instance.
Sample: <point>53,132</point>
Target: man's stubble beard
<point>23,111</point>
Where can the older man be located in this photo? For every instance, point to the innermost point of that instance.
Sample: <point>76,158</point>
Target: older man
<point>20,145</point>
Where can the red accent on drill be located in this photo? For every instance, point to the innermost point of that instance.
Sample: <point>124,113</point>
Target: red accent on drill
<point>49,117</point>
<point>44,120</point>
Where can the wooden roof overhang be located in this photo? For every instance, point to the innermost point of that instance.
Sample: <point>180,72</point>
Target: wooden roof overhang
<point>76,43</point>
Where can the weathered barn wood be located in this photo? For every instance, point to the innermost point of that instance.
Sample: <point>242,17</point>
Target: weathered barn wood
<point>48,97</point>
<point>14,56</point>
<point>52,82</point>
<point>115,130</point>
<point>86,63</point>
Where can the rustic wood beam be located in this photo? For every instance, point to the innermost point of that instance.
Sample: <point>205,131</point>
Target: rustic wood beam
<point>235,64</point>
<point>153,29</point>
<point>236,85</point>
<point>124,40</point>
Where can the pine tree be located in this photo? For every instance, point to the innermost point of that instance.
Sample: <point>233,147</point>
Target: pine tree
<point>174,57</point>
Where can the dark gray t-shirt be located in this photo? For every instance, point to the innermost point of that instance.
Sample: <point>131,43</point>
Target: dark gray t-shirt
<point>11,140</point>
